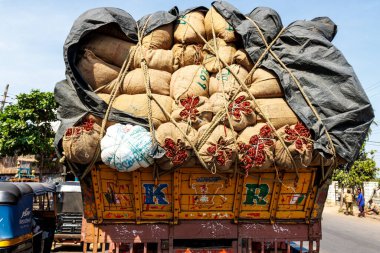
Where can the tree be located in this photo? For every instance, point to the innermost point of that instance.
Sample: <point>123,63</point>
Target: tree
<point>25,127</point>
<point>363,169</point>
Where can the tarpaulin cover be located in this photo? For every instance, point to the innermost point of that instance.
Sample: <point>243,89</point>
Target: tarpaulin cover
<point>304,47</point>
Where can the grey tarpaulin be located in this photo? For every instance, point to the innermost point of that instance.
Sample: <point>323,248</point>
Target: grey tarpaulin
<point>74,96</point>
<point>327,78</point>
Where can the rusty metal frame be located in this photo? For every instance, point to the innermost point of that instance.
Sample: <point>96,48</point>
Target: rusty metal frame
<point>243,234</point>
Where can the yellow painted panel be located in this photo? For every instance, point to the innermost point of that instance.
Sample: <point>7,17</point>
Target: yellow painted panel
<point>202,195</point>
<point>206,202</point>
<point>119,215</point>
<point>257,192</point>
<point>202,215</point>
<point>260,215</point>
<point>291,185</point>
<point>283,215</point>
<point>156,215</point>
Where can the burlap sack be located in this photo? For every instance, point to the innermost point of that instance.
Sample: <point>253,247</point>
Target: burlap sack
<point>226,53</point>
<point>256,147</point>
<point>317,160</point>
<point>158,59</point>
<point>110,49</point>
<point>278,112</point>
<point>177,147</point>
<point>222,29</point>
<point>184,34</point>
<point>134,82</point>
<point>264,84</point>
<point>191,80</point>
<point>104,96</point>
<point>220,150</point>
<point>242,58</point>
<point>185,55</point>
<point>160,38</point>
<point>195,111</point>
<point>298,140</point>
<point>95,71</point>
<point>98,121</point>
<point>241,110</point>
<point>137,105</point>
<point>79,143</point>
<point>226,81</point>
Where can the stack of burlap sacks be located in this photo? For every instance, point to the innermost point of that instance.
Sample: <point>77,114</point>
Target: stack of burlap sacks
<point>191,84</point>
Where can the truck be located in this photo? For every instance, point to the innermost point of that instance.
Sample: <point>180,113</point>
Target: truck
<point>195,207</point>
<point>191,210</point>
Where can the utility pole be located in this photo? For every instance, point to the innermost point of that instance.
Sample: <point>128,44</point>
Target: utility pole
<point>4,97</point>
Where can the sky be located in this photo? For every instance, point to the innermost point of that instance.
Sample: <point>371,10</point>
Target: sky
<point>32,34</point>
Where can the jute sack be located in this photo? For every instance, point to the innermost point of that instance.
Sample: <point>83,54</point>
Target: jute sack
<point>137,105</point>
<point>298,140</point>
<point>95,71</point>
<point>185,55</point>
<point>278,112</point>
<point>110,49</point>
<point>104,96</point>
<point>184,34</point>
<point>191,80</point>
<point>158,59</point>
<point>264,84</point>
<point>226,53</point>
<point>226,81</point>
<point>242,58</point>
<point>241,110</point>
<point>160,38</point>
<point>134,82</point>
<point>219,151</point>
<point>195,111</point>
<point>177,147</point>
<point>98,121</point>
<point>222,29</point>
<point>79,142</point>
<point>256,147</point>
<point>318,160</point>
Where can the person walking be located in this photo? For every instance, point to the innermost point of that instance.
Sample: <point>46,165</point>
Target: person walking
<point>360,201</point>
<point>348,199</point>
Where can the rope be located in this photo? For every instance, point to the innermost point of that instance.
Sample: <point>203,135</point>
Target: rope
<point>144,67</point>
<point>245,88</point>
<point>307,100</point>
<point>120,79</point>
<point>224,93</point>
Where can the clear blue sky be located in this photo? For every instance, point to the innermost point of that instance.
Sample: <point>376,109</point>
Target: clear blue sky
<point>32,34</point>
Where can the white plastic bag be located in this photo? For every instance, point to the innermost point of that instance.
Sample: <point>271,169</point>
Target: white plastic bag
<point>126,147</point>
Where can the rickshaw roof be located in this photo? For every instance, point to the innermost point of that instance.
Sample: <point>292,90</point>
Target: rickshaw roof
<point>70,186</point>
<point>41,188</point>
<point>11,193</point>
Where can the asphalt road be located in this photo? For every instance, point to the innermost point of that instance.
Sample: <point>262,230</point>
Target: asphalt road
<point>349,234</point>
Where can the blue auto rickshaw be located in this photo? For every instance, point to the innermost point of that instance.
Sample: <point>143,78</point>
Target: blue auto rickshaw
<point>16,206</point>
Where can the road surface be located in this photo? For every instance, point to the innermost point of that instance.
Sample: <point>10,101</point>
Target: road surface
<point>349,234</point>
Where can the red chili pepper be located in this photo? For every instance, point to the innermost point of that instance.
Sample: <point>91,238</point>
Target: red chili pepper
<point>176,152</point>
<point>190,110</point>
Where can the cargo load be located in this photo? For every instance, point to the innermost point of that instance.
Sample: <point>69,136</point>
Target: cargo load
<point>221,115</point>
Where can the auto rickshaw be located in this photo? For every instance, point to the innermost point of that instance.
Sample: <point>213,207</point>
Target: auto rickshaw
<point>16,202</point>
<point>44,219</point>
<point>69,213</point>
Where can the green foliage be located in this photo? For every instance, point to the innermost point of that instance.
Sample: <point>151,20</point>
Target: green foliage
<point>25,126</point>
<point>364,169</point>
